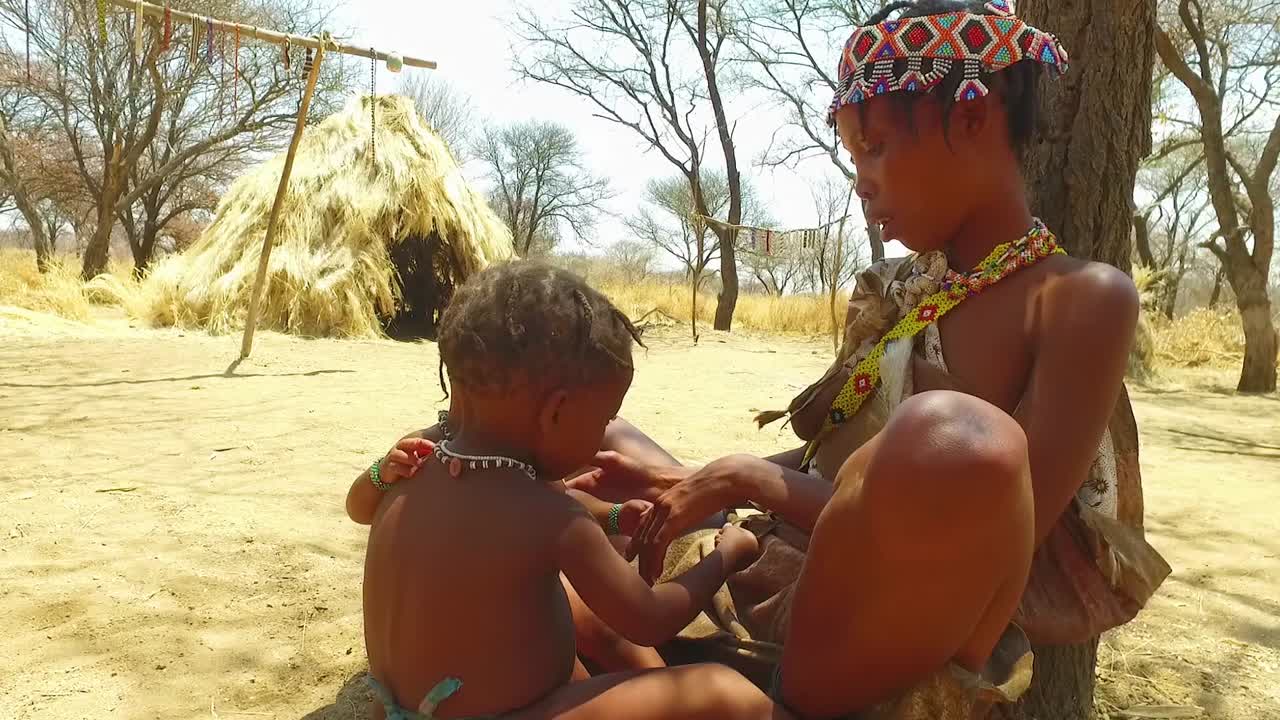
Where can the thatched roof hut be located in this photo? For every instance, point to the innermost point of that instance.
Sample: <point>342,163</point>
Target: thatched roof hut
<point>362,248</point>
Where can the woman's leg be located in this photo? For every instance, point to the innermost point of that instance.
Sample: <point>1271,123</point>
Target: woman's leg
<point>690,692</point>
<point>603,646</point>
<point>627,439</point>
<point>919,559</point>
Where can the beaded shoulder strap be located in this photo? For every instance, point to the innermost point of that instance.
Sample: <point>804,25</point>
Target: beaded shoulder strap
<point>1003,261</point>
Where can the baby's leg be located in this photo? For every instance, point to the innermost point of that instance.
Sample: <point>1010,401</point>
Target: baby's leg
<point>602,645</point>
<point>689,692</point>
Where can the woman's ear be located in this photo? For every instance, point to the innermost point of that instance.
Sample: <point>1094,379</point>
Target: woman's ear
<point>973,116</point>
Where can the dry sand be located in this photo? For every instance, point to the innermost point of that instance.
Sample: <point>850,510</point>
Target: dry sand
<point>173,541</point>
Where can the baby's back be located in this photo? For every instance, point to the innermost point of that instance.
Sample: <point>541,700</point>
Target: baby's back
<point>461,580</point>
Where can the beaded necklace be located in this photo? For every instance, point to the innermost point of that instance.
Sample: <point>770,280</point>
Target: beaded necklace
<point>1006,259</point>
<point>453,461</point>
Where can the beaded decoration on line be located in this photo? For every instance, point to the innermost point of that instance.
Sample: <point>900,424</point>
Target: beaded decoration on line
<point>1006,259</point>
<point>454,462</point>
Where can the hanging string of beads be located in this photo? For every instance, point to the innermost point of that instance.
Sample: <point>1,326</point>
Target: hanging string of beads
<point>208,42</point>
<point>373,106</point>
<point>235,82</point>
<point>307,66</point>
<point>137,27</point>
<point>195,43</point>
<point>102,25</point>
<point>167,37</point>
<point>26,22</point>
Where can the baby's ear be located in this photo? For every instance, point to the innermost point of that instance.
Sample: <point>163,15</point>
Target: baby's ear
<point>549,413</point>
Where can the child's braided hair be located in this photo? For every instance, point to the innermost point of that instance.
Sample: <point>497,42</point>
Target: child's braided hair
<point>1017,84</point>
<point>529,320</point>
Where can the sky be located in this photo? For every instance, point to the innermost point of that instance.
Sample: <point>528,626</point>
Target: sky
<point>472,41</point>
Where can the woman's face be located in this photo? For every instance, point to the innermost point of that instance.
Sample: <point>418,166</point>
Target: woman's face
<point>913,182</point>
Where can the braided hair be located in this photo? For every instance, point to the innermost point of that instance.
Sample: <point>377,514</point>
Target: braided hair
<point>1017,85</point>
<point>526,319</point>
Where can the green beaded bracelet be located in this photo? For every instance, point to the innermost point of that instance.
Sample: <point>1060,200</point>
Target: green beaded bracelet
<point>375,476</point>
<point>614,528</point>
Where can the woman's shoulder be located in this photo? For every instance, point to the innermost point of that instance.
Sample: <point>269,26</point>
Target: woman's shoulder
<point>1088,301</point>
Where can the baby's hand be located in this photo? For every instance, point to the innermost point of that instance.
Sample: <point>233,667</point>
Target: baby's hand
<point>630,515</point>
<point>404,459</point>
<point>740,547</point>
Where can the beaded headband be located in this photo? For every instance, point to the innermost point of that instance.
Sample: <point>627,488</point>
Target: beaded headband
<point>979,43</point>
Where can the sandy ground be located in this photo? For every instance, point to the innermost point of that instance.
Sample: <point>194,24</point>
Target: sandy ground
<point>173,542</point>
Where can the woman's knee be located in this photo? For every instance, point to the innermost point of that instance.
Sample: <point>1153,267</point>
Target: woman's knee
<point>955,448</point>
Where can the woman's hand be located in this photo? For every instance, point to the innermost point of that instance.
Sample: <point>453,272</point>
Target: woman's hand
<point>619,478</point>
<point>685,505</point>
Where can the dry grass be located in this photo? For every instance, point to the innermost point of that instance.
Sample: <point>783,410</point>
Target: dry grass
<point>57,292</point>
<point>791,315</point>
<point>1202,338</point>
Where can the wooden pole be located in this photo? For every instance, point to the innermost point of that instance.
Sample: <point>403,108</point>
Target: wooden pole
<point>270,35</point>
<point>260,282</point>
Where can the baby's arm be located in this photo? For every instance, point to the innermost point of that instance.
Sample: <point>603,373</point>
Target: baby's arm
<point>615,592</point>
<point>363,497</point>
<point>620,521</point>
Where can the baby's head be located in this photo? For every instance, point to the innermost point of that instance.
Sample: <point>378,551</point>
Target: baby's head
<point>537,359</point>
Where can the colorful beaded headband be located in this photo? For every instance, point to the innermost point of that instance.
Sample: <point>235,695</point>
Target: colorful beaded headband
<point>979,42</point>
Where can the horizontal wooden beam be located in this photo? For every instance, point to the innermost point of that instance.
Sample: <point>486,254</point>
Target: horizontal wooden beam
<point>270,36</point>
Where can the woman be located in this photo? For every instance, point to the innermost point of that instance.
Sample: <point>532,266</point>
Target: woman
<point>900,539</point>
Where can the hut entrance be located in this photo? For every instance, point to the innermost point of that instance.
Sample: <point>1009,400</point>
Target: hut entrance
<point>427,275</point>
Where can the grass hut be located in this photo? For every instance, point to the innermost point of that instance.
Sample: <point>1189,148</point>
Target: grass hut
<point>369,242</point>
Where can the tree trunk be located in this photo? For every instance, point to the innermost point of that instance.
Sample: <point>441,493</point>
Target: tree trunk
<point>144,249</point>
<point>1061,688</point>
<point>1095,123</point>
<point>1216,295</point>
<point>727,300</point>
<point>99,248</point>
<point>874,240</point>
<point>1258,375</point>
<point>1095,126</point>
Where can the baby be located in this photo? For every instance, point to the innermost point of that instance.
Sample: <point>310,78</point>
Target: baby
<point>464,611</point>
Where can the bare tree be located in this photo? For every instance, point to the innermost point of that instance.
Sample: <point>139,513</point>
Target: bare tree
<point>447,110</point>
<point>1167,231</point>
<point>633,257</point>
<point>786,48</point>
<point>17,183</point>
<point>631,60</point>
<point>1229,62</point>
<point>140,122</point>
<point>1095,128</point>
<point>666,221</point>
<point>837,257</point>
<point>541,184</point>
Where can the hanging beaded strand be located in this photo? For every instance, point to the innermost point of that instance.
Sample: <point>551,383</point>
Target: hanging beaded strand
<point>195,43</point>
<point>26,20</point>
<point>102,25</point>
<point>235,80</point>
<point>137,28</point>
<point>208,42</point>
<point>373,107</point>
<point>167,37</point>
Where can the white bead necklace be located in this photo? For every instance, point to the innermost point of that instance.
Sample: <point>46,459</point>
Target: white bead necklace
<point>453,461</point>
